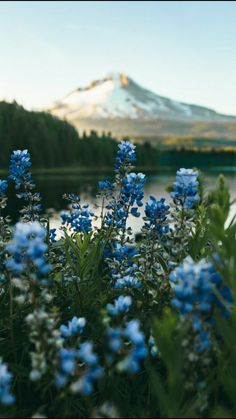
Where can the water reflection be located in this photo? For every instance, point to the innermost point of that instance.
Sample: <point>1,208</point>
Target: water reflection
<point>52,188</point>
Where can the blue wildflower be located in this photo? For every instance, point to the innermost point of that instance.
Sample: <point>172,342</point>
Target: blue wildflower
<point>186,188</point>
<point>79,220</point>
<point>20,167</point>
<point>3,186</point>
<point>196,287</point>
<point>6,398</point>
<point>115,341</point>
<point>53,235</point>
<point>67,359</point>
<point>20,172</point>
<point>121,305</point>
<point>125,155</point>
<point>138,351</point>
<point>127,281</point>
<point>105,185</point>
<point>156,215</point>
<point>75,326</point>
<point>27,250</point>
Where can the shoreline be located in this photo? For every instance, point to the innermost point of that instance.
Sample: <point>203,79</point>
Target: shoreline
<point>108,170</point>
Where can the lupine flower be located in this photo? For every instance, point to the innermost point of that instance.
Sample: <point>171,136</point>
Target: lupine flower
<point>20,172</point>
<point>127,281</point>
<point>90,372</point>
<point>115,341</point>
<point>125,155</point>
<point>67,359</point>
<point>75,326</point>
<point>195,297</point>
<point>138,352</point>
<point>85,384</point>
<point>129,201</point>
<point>6,398</point>
<point>105,185</point>
<point>132,189</point>
<point>27,249</point>
<point>122,267</point>
<point>186,188</point>
<point>3,186</point>
<point>156,215</point>
<point>53,235</point>
<point>20,167</point>
<point>79,220</point>
<point>121,305</point>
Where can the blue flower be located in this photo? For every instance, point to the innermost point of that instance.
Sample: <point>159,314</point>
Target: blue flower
<point>78,220</point>
<point>115,341</point>
<point>105,185</point>
<point>138,353</point>
<point>27,250</point>
<point>186,188</point>
<point>3,186</point>
<point>156,215</point>
<point>127,281</point>
<point>6,398</point>
<point>196,287</point>
<point>20,167</point>
<point>75,326</point>
<point>125,155</point>
<point>121,305</point>
<point>132,189</point>
<point>67,366</point>
<point>130,199</point>
<point>53,235</point>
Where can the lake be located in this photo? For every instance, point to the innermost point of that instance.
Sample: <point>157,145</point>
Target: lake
<point>52,188</point>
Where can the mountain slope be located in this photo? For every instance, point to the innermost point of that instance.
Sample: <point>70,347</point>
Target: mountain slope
<point>116,99</point>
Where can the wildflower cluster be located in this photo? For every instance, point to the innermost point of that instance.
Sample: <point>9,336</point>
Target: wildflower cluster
<point>89,372</point>
<point>27,250</point>
<point>123,269</point>
<point>20,165</point>
<point>125,156</point>
<point>121,305</point>
<point>79,219</point>
<point>88,312</point>
<point>135,339</point>
<point>198,288</point>
<point>186,188</point>
<point>75,326</point>
<point>156,212</point>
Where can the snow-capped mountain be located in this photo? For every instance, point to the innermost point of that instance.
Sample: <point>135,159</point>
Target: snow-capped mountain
<point>116,98</point>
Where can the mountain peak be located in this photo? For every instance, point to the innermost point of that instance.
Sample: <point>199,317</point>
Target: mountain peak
<point>117,97</point>
<point>120,78</point>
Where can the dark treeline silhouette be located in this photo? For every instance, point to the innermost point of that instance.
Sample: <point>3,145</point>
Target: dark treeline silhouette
<point>53,143</point>
<point>197,158</point>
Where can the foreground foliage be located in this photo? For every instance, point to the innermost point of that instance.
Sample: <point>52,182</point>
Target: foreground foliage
<point>97,323</point>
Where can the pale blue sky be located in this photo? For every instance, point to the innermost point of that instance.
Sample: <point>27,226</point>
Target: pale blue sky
<point>180,49</point>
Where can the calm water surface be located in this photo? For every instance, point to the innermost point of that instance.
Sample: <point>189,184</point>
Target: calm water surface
<point>52,187</point>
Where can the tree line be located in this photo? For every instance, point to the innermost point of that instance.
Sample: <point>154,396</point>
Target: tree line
<point>54,143</point>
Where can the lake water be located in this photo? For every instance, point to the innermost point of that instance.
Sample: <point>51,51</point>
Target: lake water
<point>52,188</point>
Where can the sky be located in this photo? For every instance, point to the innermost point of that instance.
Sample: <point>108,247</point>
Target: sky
<point>185,50</point>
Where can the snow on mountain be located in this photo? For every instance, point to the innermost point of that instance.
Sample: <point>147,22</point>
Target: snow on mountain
<point>118,96</point>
